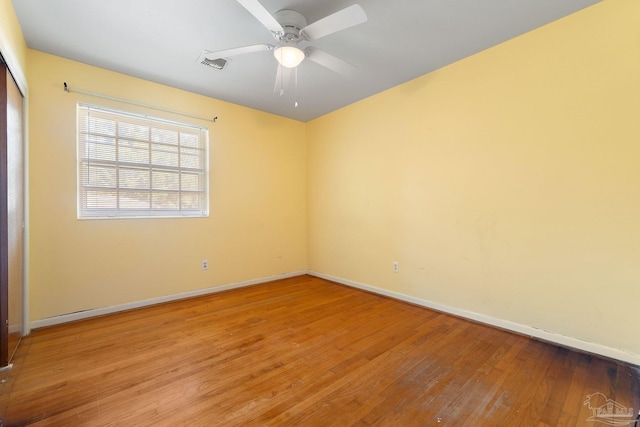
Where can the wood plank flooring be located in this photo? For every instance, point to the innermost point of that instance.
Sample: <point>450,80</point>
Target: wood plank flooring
<point>306,352</point>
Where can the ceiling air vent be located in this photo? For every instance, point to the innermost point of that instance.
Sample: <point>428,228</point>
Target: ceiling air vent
<point>218,63</point>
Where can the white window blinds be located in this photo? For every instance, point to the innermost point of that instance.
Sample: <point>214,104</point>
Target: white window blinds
<point>133,166</point>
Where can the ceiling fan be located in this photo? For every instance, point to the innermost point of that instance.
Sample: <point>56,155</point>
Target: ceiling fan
<point>291,30</point>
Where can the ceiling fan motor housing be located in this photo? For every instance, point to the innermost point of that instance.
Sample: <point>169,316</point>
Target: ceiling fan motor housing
<point>292,22</point>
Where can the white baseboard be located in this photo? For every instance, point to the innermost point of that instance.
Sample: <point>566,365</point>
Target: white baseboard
<point>85,314</point>
<point>16,328</point>
<point>548,336</point>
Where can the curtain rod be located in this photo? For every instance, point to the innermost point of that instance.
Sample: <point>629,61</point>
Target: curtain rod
<point>126,101</point>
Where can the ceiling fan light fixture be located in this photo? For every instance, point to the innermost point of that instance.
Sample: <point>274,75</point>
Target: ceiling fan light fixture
<point>289,56</point>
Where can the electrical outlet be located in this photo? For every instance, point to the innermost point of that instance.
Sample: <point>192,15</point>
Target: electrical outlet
<point>205,264</point>
<point>396,267</point>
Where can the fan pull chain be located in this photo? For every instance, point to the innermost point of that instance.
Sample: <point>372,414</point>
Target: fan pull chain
<point>281,80</point>
<point>295,90</point>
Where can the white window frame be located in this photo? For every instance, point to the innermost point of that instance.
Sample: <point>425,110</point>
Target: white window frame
<point>136,166</point>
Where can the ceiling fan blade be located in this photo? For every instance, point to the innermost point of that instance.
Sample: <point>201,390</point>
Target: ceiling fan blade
<point>261,14</point>
<point>238,51</point>
<point>331,62</point>
<point>342,19</point>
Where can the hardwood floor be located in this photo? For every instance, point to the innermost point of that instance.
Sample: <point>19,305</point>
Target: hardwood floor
<point>301,351</point>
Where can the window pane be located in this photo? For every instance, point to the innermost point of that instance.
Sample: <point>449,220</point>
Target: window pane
<point>134,178</point>
<point>164,136</point>
<point>190,201</point>
<point>169,201</point>
<point>191,158</point>
<point>166,180</point>
<point>190,140</point>
<point>96,147</point>
<point>133,131</point>
<point>135,200</point>
<point>101,199</point>
<point>98,176</point>
<point>164,156</point>
<point>133,152</point>
<point>190,182</point>
<point>99,126</point>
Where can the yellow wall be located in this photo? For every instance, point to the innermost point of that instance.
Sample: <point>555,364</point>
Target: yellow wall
<point>257,222</point>
<point>12,44</point>
<point>507,184</point>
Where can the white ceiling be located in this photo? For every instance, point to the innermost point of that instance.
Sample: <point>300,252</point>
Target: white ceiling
<point>161,40</point>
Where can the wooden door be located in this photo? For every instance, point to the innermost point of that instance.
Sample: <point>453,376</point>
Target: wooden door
<point>11,215</point>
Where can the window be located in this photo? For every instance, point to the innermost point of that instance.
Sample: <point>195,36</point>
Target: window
<point>135,166</point>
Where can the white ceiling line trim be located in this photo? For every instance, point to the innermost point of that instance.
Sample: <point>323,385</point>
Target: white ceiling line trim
<point>139,104</point>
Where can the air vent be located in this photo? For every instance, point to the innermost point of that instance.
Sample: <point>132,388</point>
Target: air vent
<point>218,63</point>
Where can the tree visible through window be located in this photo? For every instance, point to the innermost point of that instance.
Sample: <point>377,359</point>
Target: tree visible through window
<point>135,166</point>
